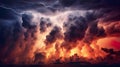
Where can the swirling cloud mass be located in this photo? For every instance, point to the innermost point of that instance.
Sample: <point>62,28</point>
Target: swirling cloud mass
<point>59,31</point>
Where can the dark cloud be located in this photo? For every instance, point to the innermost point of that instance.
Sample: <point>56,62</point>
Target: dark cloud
<point>6,14</point>
<point>53,35</point>
<point>18,32</point>
<point>31,28</point>
<point>94,32</point>
<point>53,3</point>
<point>75,30</point>
<point>115,15</point>
<point>111,55</point>
<point>27,20</point>
<point>9,23</point>
<point>13,41</point>
<point>81,27</point>
<point>111,51</point>
<point>44,24</point>
<point>92,4</point>
<point>113,28</point>
<point>10,31</point>
<point>39,58</point>
<point>67,2</point>
<point>42,6</point>
<point>107,7</point>
<point>20,4</point>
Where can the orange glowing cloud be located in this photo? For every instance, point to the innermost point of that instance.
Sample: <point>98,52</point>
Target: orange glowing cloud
<point>110,42</point>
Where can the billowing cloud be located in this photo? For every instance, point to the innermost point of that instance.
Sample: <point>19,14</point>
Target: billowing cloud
<point>63,31</point>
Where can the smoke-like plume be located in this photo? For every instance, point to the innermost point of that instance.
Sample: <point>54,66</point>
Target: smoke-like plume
<point>58,31</point>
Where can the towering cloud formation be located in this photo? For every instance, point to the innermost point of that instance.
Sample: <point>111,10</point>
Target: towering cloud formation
<point>58,31</point>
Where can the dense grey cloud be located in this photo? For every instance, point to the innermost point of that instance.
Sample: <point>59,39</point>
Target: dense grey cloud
<point>54,35</point>
<point>44,24</point>
<point>107,7</point>
<point>14,41</point>
<point>42,6</point>
<point>18,33</point>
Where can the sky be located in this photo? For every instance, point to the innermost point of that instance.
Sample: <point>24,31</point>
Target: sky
<point>59,31</point>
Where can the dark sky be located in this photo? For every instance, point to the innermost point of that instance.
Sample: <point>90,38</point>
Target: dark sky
<point>67,20</point>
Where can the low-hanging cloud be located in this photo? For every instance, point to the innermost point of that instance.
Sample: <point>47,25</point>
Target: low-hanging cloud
<point>34,32</point>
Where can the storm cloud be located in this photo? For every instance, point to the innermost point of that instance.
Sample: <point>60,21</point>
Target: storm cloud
<point>27,27</point>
